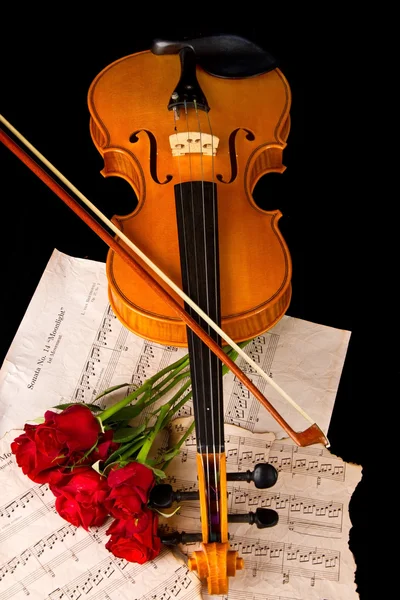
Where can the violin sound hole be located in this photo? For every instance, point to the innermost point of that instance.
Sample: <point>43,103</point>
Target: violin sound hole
<point>153,155</point>
<point>232,153</point>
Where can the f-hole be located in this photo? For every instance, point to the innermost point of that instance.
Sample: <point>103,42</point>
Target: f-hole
<point>232,153</point>
<point>153,155</point>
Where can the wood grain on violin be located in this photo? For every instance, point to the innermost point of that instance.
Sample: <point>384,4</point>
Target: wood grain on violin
<point>134,131</point>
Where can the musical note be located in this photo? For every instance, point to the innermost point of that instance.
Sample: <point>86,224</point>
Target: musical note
<point>311,518</point>
<point>65,563</point>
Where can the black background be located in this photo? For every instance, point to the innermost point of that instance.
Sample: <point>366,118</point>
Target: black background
<point>46,71</point>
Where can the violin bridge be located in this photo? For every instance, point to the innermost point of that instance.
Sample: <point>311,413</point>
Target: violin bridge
<point>193,142</point>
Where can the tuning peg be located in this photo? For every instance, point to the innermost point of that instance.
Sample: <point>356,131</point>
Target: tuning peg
<point>163,496</point>
<point>263,517</point>
<point>172,539</point>
<point>263,476</point>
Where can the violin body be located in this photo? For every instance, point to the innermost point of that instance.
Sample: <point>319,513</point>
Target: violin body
<point>238,141</point>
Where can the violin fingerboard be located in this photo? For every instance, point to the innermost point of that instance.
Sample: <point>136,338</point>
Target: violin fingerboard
<point>197,221</point>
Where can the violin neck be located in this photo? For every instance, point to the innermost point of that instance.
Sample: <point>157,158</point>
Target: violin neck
<point>197,220</point>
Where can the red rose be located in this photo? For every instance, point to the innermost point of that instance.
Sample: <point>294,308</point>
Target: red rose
<point>129,490</point>
<point>44,447</point>
<point>104,448</point>
<point>80,497</point>
<point>36,465</point>
<point>133,546</point>
<point>75,426</point>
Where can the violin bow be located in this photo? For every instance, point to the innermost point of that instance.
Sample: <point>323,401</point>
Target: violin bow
<point>312,435</point>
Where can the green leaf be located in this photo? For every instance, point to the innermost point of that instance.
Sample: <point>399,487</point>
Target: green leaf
<point>127,413</point>
<point>157,472</point>
<point>113,389</point>
<point>233,354</point>
<point>91,407</point>
<point>170,455</point>
<point>116,408</point>
<point>127,434</point>
<point>118,452</point>
<point>138,443</point>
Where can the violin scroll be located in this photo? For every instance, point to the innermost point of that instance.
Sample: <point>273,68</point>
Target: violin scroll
<point>214,563</point>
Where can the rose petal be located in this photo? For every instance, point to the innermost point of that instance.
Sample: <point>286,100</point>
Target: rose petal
<point>78,424</point>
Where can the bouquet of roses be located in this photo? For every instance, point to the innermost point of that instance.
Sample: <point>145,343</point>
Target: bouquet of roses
<point>100,465</point>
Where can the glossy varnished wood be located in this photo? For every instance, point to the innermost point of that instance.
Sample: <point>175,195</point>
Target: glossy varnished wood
<point>214,562</point>
<point>255,265</point>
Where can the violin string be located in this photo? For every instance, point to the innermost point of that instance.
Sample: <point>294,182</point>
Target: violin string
<point>199,382</point>
<point>220,415</point>
<point>216,250</point>
<point>199,433</point>
<point>214,382</point>
<point>193,363</point>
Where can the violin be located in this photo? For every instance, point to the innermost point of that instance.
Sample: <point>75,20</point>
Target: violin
<point>192,126</point>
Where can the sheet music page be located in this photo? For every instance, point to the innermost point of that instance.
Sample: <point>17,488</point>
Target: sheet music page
<point>306,555</point>
<point>70,346</point>
<point>47,558</point>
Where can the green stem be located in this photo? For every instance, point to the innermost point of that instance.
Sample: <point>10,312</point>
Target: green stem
<point>112,389</point>
<point>148,394</point>
<point>172,453</point>
<point>170,404</point>
<point>182,402</point>
<point>111,410</point>
<point>146,387</point>
<point>141,457</point>
<point>233,354</point>
<point>173,409</point>
<point>174,373</point>
<point>173,383</point>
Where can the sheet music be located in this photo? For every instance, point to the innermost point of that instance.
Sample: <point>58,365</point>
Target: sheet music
<point>306,556</point>
<point>71,346</point>
<point>43,556</point>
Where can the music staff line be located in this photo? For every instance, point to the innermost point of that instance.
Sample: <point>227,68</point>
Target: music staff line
<point>230,439</point>
<point>84,583</point>
<point>100,366</point>
<point>243,595</point>
<point>242,408</point>
<point>21,502</point>
<point>171,588</point>
<point>47,543</point>
<point>100,574</point>
<point>285,558</point>
<point>92,578</point>
<point>275,446</point>
<point>110,341</point>
<point>296,466</point>
<point>178,586</point>
<point>301,514</point>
